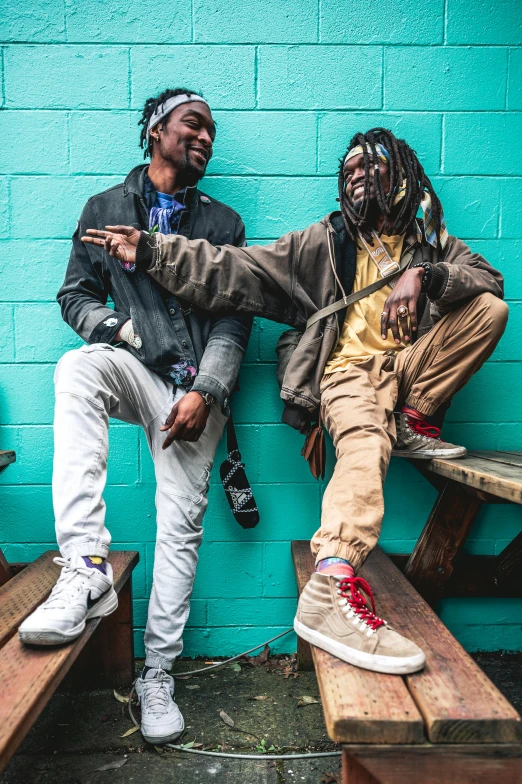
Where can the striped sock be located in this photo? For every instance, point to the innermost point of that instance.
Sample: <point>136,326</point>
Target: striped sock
<point>338,567</point>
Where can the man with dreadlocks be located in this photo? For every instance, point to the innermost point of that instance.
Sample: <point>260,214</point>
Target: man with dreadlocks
<point>151,357</point>
<point>391,316</point>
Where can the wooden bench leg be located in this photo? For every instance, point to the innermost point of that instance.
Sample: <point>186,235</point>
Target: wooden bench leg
<point>108,659</point>
<point>431,562</point>
<point>354,773</point>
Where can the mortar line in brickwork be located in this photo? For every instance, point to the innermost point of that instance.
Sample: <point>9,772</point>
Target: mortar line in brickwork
<point>508,74</point>
<point>318,32</point>
<point>192,22</point>
<point>271,110</point>
<point>68,139</point>
<point>383,79</point>
<point>162,45</point>
<point>256,77</point>
<point>66,32</point>
<point>442,144</point>
<point>2,88</point>
<point>445,22</point>
<point>129,78</point>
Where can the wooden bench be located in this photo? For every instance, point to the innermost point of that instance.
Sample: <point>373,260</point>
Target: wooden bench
<point>437,566</point>
<point>29,676</point>
<point>447,724</point>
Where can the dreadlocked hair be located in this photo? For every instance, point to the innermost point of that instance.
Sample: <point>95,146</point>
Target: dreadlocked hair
<point>151,105</point>
<point>403,165</point>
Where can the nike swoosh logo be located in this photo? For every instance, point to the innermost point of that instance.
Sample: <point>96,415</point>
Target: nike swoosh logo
<point>92,602</point>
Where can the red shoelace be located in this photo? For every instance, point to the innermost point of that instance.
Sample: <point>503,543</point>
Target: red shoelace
<point>350,589</point>
<point>422,427</point>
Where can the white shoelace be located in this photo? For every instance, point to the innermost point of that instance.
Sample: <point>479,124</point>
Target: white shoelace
<point>67,586</point>
<point>156,694</point>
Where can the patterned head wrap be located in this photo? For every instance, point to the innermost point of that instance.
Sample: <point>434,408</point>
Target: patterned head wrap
<point>425,205</point>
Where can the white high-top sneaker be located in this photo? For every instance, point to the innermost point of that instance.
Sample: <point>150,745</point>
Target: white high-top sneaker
<point>80,593</point>
<point>161,719</point>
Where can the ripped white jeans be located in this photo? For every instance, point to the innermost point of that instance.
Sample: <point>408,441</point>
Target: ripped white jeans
<point>92,384</point>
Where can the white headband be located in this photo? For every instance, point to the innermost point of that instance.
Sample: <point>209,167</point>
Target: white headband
<point>169,105</point>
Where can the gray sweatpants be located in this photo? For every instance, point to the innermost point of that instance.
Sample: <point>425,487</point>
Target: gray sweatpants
<point>92,384</point>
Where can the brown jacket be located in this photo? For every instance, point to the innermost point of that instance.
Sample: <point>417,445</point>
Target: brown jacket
<point>292,279</point>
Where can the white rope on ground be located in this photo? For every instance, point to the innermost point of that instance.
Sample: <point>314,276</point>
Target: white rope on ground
<point>311,755</point>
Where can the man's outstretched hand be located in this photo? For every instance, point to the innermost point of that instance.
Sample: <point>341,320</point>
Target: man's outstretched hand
<point>119,241</point>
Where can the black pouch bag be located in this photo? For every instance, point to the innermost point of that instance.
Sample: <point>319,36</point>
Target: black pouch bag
<point>236,485</point>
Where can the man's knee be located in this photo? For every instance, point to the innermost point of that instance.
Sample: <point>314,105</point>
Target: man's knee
<point>74,366</point>
<point>496,311</point>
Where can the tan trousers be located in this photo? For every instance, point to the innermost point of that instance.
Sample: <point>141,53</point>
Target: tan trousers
<point>357,407</point>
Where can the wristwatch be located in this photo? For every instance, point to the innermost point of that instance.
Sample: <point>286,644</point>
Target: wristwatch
<point>207,397</point>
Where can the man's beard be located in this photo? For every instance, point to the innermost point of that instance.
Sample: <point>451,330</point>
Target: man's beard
<point>190,173</point>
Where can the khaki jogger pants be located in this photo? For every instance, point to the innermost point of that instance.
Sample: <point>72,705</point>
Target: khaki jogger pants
<point>357,407</point>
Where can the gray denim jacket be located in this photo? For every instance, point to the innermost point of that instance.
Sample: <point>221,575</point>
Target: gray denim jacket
<point>215,343</point>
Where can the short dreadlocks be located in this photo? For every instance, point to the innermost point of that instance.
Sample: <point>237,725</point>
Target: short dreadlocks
<point>404,165</point>
<point>151,105</point>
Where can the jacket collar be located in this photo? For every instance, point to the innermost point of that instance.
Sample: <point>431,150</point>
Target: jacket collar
<point>135,183</point>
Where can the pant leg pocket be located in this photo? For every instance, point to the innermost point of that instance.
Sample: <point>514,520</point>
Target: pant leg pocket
<point>88,349</point>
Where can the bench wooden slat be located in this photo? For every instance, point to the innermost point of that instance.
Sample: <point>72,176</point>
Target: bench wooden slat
<point>359,706</point>
<point>458,702</point>
<point>29,676</point>
<point>484,473</point>
<point>432,764</point>
<point>24,592</point>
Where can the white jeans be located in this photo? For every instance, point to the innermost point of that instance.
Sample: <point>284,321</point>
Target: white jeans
<point>92,384</point>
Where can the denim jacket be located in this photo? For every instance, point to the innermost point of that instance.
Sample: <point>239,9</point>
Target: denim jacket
<point>170,330</point>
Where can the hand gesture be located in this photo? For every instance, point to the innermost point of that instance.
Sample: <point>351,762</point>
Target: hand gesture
<point>400,308</point>
<point>187,420</point>
<point>119,241</point>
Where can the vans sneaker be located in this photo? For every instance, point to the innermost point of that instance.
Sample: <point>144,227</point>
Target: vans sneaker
<point>417,439</point>
<point>81,592</point>
<point>333,615</point>
<point>161,719</point>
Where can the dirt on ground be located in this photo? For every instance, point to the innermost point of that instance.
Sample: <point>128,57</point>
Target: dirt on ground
<point>86,738</point>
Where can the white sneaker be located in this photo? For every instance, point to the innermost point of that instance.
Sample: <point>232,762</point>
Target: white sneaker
<point>161,719</point>
<point>81,592</point>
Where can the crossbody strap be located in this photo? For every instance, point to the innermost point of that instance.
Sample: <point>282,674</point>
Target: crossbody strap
<point>346,301</point>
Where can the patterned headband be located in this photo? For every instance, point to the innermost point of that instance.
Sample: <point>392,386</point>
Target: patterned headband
<point>382,152</point>
<point>169,105</point>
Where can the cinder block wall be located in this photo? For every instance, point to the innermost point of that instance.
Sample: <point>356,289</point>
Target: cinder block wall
<point>289,83</point>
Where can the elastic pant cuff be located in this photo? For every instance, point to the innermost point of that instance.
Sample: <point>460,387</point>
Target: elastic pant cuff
<point>425,407</point>
<point>85,548</point>
<point>355,556</point>
<point>156,662</point>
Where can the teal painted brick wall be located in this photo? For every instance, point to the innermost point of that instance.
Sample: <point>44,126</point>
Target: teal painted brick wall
<point>289,84</point>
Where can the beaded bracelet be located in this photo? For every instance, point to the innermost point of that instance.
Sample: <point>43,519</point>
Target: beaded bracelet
<point>426,278</point>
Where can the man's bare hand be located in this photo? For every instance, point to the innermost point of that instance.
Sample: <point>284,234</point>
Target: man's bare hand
<point>187,420</point>
<point>119,241</point>
<point>405,295</point>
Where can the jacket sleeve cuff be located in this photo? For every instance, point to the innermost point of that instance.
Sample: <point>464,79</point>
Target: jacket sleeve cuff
<point>106,330</point>
<point>439,281</point>
<point>145,251</point>
<point>297,417</point>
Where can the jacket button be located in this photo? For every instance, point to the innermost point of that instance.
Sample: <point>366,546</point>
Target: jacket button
<point>172,311</point>
<point>184,343</point>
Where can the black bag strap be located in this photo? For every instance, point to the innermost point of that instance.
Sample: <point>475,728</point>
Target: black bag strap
<point>232,445</point>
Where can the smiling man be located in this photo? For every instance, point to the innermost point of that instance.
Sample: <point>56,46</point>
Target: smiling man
<point>392,317</point>
<point>151,358</point>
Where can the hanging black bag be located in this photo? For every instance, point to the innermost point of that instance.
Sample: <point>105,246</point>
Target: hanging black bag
<point>236,485</point>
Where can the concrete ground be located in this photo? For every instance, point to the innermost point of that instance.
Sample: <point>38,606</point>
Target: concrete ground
<point>78,738</point>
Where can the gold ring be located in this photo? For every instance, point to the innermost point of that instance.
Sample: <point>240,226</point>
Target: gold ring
<point>385,313</point>
<point>402,312</point>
